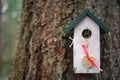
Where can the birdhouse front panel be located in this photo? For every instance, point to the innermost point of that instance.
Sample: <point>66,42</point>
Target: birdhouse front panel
<point>86,46</point>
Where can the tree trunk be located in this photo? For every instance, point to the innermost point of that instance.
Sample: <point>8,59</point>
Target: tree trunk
<point>41,53</point>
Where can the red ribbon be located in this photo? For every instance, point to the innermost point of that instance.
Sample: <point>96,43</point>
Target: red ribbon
<point>91,61</point>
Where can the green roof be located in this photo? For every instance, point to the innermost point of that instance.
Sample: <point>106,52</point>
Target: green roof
<point>103,28</point>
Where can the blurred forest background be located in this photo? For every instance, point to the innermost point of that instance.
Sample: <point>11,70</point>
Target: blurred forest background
<point>10,14</point>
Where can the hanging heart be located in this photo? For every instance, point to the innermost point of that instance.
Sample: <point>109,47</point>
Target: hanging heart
<point>86,63</point>
<point>90,59</point>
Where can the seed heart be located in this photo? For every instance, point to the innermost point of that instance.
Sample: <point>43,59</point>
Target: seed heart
<point>86,62</point>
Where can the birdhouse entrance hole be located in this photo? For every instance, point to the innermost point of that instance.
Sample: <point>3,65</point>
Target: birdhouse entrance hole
<point>86,33</point>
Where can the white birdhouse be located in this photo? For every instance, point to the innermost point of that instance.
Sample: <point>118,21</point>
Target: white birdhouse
<point>86,42</point>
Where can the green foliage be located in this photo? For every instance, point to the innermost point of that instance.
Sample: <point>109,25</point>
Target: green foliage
<point>11,11</point>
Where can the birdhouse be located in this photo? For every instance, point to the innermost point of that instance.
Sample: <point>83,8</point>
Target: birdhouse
<point>87,29</point>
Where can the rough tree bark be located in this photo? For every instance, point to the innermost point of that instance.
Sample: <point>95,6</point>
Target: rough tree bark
<point>41,53</point>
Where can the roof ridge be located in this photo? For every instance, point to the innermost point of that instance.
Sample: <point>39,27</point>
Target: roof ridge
<point>102,26</point>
